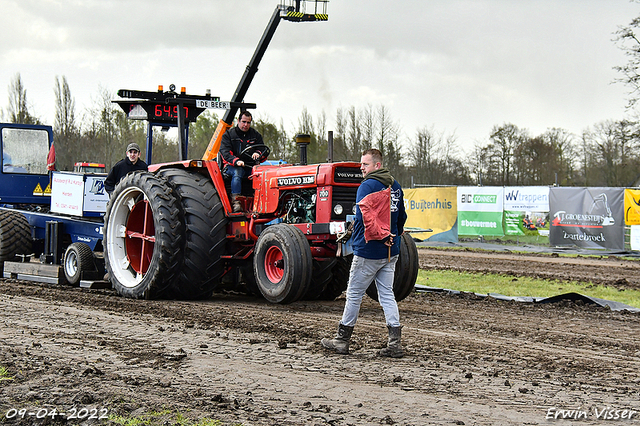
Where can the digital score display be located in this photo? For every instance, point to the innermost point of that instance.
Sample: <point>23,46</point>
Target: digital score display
<point>165,112</point>
<point>159,112</point>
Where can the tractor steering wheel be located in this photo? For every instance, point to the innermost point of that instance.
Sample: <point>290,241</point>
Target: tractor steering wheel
<point>247,154</point>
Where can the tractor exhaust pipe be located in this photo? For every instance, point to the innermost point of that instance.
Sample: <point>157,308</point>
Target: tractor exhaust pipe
<point>303,141</point>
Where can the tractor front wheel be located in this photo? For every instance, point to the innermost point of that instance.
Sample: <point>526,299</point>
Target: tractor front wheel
<point>282,263</point>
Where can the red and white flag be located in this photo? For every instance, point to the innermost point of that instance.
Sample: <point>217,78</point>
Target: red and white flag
<point>51,159</point>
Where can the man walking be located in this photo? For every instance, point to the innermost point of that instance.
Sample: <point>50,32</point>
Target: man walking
<point>376,246</point>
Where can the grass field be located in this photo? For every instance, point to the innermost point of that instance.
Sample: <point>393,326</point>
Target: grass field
<point>522,286</point>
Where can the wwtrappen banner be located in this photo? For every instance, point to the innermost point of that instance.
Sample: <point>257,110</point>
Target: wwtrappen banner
<point>526,198</point>
<point>432,208</point>
<point>587,217</point>
<point>480,210</point>
<point>632,206</point>
<point>525,209</point>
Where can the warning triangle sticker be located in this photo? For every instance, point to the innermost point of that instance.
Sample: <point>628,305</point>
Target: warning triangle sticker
<point>38,190</point>
<point>47,190</point>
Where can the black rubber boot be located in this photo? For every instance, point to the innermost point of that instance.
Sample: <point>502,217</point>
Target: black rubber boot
<point>340,343</point>
<point>394,347</point>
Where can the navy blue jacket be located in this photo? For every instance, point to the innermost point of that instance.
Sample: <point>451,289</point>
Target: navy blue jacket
<point>378,249</point>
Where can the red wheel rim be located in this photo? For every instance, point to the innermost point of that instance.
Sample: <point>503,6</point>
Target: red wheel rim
<point>273,264</point>
<point>140,237</point>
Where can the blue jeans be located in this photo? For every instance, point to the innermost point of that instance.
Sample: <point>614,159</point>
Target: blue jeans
<point>236,173</point>
<point>363,272</point>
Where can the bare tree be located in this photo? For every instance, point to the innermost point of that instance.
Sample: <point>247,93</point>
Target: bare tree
<point>18,109</point>
<point>354,135</point>
<point>340,150</point>
<point>200,133</point>
<point>565,154</point>
<point>432,159</point>
<point>388,137</point>
<point>65,131</point>
<point>611,153</point>
<point>628,41</point>
<point>109,132</point>
<point>504,140</point>
<point>368,124</point>
<point>65,120</point>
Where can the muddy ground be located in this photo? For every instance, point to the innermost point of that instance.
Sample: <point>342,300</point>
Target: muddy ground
<point>243,361</point>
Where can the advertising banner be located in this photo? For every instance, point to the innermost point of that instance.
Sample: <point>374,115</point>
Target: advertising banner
<point>432,208</point>
<point>67,193</point>
<point>526,208</point>
<point>634,237</point>
<point>632,206</point>
<point>95,196</point>
<point>587,217</point>
<point>480,210</point>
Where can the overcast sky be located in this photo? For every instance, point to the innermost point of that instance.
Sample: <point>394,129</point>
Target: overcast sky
<point>452,65</point>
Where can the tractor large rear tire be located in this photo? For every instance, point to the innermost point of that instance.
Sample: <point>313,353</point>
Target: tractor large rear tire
<point>321,278</point>
<point>205,235</point>
<point>406,273</point>
<point>15,235</point>
<point>282,263</point>
<point>143,236</point>
<point>339,279</point>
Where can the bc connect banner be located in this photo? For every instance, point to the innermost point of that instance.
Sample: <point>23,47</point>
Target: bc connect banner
<point>632,206</point>
<point>480,210</point>
<point>525,208</point>
<point>587,217</point>
<point>432,208</point>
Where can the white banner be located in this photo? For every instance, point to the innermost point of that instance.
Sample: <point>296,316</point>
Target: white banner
<point>526,198</point>
<point>480,198</point>
<point>634,239</point>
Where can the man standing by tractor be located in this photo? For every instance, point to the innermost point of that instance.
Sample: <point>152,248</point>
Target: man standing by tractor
<point>380,216</point>
<point>234,142</point>
<point>130,163</point>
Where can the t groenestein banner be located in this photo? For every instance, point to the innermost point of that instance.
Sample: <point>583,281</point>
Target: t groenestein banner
<point>587,217</point>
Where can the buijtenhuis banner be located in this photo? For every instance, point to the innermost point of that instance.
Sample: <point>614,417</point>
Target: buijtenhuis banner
<point>432,208</point>
<point>480,210</point>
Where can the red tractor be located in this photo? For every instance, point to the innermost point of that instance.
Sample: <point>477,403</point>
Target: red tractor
<point>171,232</point>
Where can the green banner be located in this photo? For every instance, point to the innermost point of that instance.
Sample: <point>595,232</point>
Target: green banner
<point>480,223</point>
<point>513,223</point>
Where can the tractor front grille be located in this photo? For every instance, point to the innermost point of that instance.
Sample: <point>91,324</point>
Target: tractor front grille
<point>346,197</point>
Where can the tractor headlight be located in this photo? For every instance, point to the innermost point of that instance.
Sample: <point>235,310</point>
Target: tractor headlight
<point>337,209</point>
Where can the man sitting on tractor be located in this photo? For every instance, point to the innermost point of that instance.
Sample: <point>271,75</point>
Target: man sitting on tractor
<point>241,147</point>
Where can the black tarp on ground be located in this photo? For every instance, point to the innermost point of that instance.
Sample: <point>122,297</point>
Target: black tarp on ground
<point>614,306</point>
